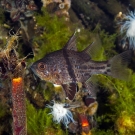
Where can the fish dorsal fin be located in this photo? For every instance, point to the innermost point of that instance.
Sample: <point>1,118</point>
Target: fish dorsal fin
<point>71,44</point>
<point>94,48</point>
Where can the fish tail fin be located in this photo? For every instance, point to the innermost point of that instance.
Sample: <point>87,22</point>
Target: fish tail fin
<point>117,66</point>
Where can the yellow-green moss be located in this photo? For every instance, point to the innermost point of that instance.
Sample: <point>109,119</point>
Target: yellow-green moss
<point>39,122</point>
<point>55,35</point>
<point>117,96</point>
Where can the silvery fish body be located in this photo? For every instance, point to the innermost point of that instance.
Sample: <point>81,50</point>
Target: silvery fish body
<point>68,66</point>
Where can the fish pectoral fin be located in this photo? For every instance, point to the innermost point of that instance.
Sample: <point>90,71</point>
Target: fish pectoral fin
<point>91,86</point>
<point>71,44</point>
<point>70,90</point>
<point>117,66</point>
<point>66,87</point>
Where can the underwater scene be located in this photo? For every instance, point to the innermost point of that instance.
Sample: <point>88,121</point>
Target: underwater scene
<point>67,67</point>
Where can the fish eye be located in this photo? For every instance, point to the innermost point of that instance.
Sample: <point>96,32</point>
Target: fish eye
<point>41,66</point>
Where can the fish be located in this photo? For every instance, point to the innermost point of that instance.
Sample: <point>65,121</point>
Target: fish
<point>69,66</point>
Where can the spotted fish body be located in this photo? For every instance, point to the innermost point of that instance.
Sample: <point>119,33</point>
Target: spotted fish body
<point>68,66</point>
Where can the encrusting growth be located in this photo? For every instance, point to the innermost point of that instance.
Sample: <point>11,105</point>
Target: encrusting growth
<point>19,108</point>
<point>14,69</point>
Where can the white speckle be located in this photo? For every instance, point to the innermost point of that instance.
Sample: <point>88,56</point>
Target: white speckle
<point>56,85</point>
<point>61,114</point>
<point>33,87</point>
<point>119,14</point>
<point>61,6</point>
<point>128,26</point>
<point>27,72</point>
<point>78,30</point>
<point>35,95</point>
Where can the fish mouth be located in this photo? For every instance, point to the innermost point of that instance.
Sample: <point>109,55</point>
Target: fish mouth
<point>35,71</point>
<point>33,68</point>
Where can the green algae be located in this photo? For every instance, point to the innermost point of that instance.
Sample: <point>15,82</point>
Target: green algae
<point>3,111</point>
<point>104,41</point>
<point>39,122</point>
<point>2,16</point>
<point>57,32</point>
<point>118,105</point>
<point>55,35</point>
<point>49,92</point>
<point>116,97</point>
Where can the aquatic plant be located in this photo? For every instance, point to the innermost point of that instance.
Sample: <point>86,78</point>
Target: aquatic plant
<point>19,107</point>
<point>55,33</point>
<point>103,41</point>
<point>117,100</point>
<point>61,8</point>
<point>102,132</point>
<point>128,27</point>
<point>2,17</point>
<point>125,123</point>
<point>40,123</point>
<point>110,4</point>
<point>13,69</point>
<point>132,2</point>
<point>19,9</point>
